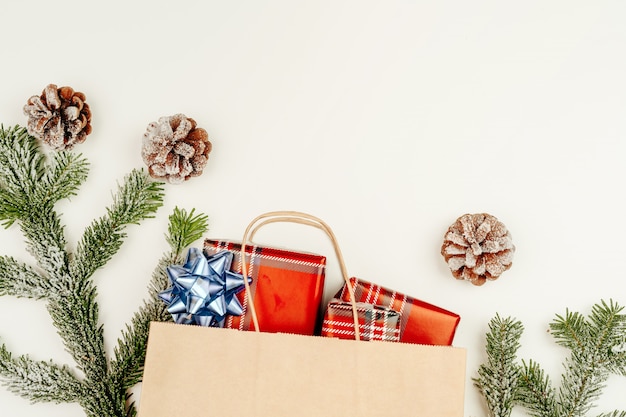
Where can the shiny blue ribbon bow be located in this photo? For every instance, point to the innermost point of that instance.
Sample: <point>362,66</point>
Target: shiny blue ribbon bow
<point>203,289</point>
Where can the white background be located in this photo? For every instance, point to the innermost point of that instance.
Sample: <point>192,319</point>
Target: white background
<point>387,119</point>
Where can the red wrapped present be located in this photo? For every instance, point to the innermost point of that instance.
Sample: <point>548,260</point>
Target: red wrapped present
<point>287,286</point>
<point>375,322</point>
<point>420,322</point>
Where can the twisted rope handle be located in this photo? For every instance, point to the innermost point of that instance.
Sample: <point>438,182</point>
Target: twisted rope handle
<point>299,218</point>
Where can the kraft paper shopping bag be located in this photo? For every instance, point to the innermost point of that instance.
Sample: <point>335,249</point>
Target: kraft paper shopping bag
<point>204,371</point>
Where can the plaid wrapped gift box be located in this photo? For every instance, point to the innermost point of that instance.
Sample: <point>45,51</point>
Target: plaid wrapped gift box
<point>420,322</point>
<point>287,286</point>
<point>375,322</point>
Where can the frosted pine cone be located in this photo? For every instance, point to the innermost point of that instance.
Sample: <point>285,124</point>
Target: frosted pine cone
<point>174,149</point>
<point>59,117</point>
<point>477,248</point>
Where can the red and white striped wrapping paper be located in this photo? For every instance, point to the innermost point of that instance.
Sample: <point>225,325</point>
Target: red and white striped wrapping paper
<point>375,322</point>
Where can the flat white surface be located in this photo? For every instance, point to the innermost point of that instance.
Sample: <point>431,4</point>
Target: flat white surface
<point>387,119</point>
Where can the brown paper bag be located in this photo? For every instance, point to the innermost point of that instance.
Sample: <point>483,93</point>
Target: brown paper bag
<point>202,371</point>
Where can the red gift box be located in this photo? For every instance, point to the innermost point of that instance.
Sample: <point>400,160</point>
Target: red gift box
<point>375,322</point>
<point>420,322</point>
<point>287,286</point>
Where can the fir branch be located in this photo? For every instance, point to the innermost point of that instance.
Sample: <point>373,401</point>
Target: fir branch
<point>617,359</point>
<point>137,199</point>
<point>129,355</point>
<point>21,166</point>
<point>76,318</point>
<point>29,188</point>
<point>536,392</point>
<point>104,400</point>
<point>127,367</point>
<point>587,369</point>
<point>21,161</point>
<point>39,381</point>
<point>10,207</point>
<point>61,180</point>
<point>45,240</point>
<point>20,280</point>
<point>597,345</point>
<point>184,229</point>
<point>570,330</point>
<point>608,330</point>
<point>498,378</point>
<point>581,385</point>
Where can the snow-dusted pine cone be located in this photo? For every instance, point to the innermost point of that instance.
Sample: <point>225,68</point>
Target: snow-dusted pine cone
<point>59,117</point>
<point>477,248</point>
<point>174,149</point>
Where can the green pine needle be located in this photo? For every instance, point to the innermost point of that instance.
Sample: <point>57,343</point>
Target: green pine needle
<point>30,185</point>
<point>184,229</point>
<point>498,379</point>
<point>137,198</point>
<point>536,392</point>
<point>20,280</point>
<point>21,166</point>
<point>597,350</point>
<point>66,174</point>
<point>38,380</point>
<point>615,413</point>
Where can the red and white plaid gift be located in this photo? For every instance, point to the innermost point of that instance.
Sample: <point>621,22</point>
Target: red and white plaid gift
<point>375,322</point>
<point>287,286</point>
<point>420,322</point>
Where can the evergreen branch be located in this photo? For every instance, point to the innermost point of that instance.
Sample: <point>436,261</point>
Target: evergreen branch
<point>608,330</point>
<point>137,199</point>
<point>607,326</point>
<point>39,381</point>
<point>65,174</point>
<point>45,240</point>
<point>75,316</point>
<point>588,367</point>
<point>19,280</point>
<point>129,355</point>
<point>104,400</point>
<point>10,207</point>
<point>498,379</point>
<point>570,330</point>
<point>127,368</point>
<point>21,162</point>
<point>581,385</point>
<point>536,392</point>
<point>615,413</point>
<point>184,229</point>
<point>21,166</point>
<point>617,362</point>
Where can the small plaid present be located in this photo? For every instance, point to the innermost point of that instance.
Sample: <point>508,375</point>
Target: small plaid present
<point>287,286</point>
<point>420,322</point>
<point>375,322</point>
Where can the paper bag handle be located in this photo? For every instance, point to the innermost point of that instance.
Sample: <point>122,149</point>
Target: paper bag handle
<point>299,218</point>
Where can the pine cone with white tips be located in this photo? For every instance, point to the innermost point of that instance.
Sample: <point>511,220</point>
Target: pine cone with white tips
<point>174,149</point>
<point>59,117</point>
<point>477,248</point>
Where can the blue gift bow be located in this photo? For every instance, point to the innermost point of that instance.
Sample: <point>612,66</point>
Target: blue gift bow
<point>203,289</point>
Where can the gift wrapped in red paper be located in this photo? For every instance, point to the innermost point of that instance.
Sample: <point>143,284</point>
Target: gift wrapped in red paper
<point>420,322</point>
<point>375,322</point>
<point>287,286</point>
